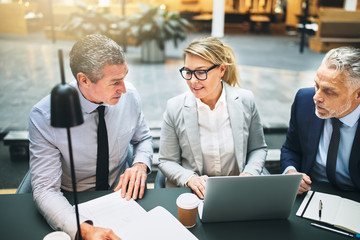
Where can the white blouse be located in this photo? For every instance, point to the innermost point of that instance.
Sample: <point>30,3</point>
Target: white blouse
<point>216,139</point>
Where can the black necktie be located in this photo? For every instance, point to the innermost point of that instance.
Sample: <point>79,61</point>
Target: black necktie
<point>333,151</point>
<point>102,166</point>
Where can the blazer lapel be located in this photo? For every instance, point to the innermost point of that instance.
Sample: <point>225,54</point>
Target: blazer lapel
<point>235,110</point>
<point>354,163</point>
<point>192,129</point>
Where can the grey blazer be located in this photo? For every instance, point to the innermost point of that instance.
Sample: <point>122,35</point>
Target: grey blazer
<point>180,153</point>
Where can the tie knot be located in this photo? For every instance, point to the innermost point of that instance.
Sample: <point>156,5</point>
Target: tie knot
<point>101,110</point>
<point>336,123</point>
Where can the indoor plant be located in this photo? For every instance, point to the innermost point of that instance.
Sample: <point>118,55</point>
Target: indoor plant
<point>89,19</point>
<point>153,26</point>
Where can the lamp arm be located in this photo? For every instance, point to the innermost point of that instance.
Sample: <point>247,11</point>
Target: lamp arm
<point>74,184</point>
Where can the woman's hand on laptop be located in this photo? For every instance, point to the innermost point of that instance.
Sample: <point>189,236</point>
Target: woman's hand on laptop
<point>245,174</point>
<point>305,182</point>
<point>197,184</point>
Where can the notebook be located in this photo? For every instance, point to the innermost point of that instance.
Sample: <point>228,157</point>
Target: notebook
<point>337,211</point>
<point>244,198</point>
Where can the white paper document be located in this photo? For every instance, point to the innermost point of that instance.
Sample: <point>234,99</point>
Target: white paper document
<point>130,221</point>
<point>158,224</point>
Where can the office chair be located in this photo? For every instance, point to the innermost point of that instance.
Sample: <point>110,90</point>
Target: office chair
<point>25,185</point>
<point>160,179</point>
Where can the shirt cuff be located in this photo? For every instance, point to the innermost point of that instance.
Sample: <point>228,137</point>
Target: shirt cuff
<point>143,158</point>
<point>70,226</point>
<point>289,168</point>
<point>185,184</point>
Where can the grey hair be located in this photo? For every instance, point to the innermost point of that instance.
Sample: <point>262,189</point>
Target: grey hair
<point>347,60</point>
<point>92,53</point>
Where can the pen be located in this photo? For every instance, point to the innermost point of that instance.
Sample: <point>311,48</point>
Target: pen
<point>320,209</point>
<point>335,230</point>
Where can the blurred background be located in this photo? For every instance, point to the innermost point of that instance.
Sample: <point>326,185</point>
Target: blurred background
<point>279,45</point>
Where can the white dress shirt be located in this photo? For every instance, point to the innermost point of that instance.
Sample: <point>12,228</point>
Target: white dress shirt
<point>216,139</point>
<point>49,154</point>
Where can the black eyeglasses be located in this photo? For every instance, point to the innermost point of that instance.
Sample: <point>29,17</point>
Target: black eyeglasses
<point>199,74</point>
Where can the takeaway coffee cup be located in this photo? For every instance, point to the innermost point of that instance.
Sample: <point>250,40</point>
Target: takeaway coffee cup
<point>58,235</point>
<point>187,204</point>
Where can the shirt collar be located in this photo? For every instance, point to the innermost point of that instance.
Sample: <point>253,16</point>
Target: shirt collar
<point>86,105</point>
<point>352,117</point>
<point>221,100</point>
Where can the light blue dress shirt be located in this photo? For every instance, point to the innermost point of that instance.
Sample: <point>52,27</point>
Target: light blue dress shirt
<point>49,154</point>
<point>347,134</point>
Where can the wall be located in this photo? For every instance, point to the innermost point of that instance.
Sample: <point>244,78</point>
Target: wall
<point>12,18</point>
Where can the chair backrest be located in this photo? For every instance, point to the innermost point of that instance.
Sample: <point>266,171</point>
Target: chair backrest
<point>160,179</point>
<point>25,185</point>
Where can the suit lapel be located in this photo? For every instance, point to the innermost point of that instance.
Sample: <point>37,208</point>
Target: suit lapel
<point>192,129</point>
<point>315,130</point>
<point>235,110</point>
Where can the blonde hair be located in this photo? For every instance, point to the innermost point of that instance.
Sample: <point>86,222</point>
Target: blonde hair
<point>215,51</point>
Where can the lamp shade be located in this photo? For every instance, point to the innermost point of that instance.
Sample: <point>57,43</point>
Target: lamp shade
<point>65,107</point>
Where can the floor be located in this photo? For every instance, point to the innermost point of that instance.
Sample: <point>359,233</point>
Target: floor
<point>270,65</point>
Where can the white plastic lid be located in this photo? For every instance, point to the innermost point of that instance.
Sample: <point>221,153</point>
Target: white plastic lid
<point>58,235</point>
<point>187,201</point>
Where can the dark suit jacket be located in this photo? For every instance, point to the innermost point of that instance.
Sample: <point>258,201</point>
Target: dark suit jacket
<point>303,136</point>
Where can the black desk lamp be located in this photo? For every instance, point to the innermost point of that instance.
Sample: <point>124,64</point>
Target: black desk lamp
<point>65,113</point>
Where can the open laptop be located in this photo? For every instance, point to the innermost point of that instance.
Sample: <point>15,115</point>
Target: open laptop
<point>235,198</point>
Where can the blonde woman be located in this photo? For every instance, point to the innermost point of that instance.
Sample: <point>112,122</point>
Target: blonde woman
<point>214,129</point>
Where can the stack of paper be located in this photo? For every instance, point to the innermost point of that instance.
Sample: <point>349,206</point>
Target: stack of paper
<point>130,221</point>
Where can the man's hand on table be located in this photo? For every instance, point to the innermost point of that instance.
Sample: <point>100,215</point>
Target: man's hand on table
<point>90,232</point>
<point>133,181</point>
<point>305,182</point>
